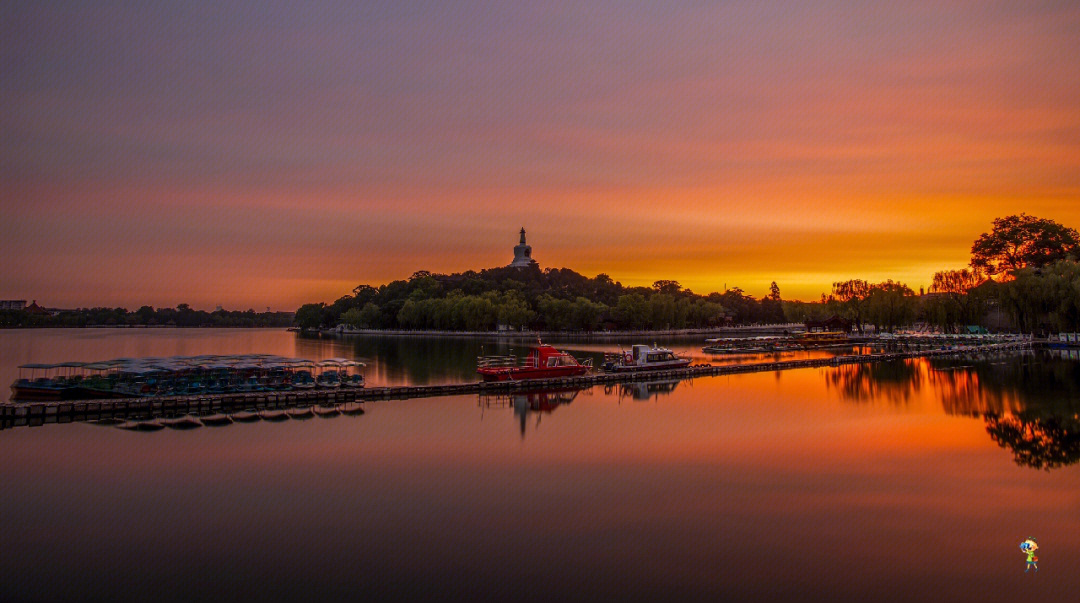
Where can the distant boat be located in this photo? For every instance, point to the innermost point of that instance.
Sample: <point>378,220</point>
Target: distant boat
<point>644,358</point>
<point>543,362</point>
<point>822,338</point>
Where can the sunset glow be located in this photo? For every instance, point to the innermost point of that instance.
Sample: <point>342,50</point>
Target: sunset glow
<point>278,154</point>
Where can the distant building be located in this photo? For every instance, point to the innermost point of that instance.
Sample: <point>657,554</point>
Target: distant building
<point>33,308</point>
<point>12,304</point>
<point>523,254</point>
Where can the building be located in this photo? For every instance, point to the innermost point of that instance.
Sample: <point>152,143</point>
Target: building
<point>523,254</point>
<point>33,308</point>
<point>12,304</point>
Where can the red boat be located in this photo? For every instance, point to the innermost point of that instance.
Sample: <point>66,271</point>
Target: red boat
<point>543,362</point>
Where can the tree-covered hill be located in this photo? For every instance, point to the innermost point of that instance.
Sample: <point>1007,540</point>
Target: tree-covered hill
<point>549,299</point>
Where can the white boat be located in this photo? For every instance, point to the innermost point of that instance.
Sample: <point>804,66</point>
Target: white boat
<point>644,358</point>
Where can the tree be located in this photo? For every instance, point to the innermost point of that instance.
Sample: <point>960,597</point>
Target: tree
<point>667,286</point>
<point>662,311</point>
<point>632,311</point>
<point>586,314</point>
<point>951,303</point>
<point>368,315</point>
<point>851,296</point>
<point>1045,299</point>
<point>557,314</point>
<point>309,316</point>
<point>513,310</point>
<point>1021,242</point>
<point>890,305</point>
<point>772,307</point>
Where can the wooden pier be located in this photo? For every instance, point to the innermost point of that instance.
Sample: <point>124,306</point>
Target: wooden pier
<point>14,414</point>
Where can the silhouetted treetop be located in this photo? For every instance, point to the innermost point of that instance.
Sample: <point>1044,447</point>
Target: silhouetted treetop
<point>1022,241</point>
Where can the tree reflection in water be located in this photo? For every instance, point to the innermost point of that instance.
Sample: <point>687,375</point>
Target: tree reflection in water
<point>894,382</point>
<point>1030,403</point>
<point>1039,442</point>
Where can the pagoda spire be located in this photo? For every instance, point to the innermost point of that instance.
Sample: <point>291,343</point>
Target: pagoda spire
<point>522,253</point>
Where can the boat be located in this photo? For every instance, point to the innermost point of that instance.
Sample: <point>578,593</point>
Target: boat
<point>822,338</point>
<point>180,376</point>
<point>543,362</point>
<point>748,345</point>
<point>644,358</point>
<point>336,373</point>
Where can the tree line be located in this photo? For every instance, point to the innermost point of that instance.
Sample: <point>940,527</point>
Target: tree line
<point>556,299</point>
<point>146,316</point>
<point>1023,276</point>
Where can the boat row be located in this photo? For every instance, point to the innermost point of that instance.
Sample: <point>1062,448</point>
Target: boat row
<point>776,343</point>
<point>182,376</point>
<point>545,362</point>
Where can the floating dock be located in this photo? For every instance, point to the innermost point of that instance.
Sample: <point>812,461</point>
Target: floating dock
<point>14,414</point>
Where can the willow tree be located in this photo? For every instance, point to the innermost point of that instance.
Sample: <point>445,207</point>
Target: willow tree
<point>954,303</point>
<point>890,305</point>
<point>852,295</point>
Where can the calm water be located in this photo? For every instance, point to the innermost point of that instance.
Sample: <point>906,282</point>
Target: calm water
<point>893,482</point>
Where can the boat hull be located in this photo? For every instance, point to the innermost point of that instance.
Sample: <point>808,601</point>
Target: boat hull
<point>655,366</point>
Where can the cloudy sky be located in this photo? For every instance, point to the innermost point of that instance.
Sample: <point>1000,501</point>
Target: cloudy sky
<point>271,154</point>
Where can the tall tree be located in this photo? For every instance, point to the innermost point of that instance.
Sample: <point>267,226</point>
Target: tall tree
<point>309,316</point>
<point>1023,242</point>
<point>890,305</point>
<point>951,303</point>
<point>851,296</point>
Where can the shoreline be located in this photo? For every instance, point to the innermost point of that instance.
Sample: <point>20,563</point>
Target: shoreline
<point>778,329</point>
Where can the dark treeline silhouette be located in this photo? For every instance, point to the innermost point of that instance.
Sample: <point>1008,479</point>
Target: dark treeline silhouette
<point>146,316</point>
<point>1023,276</point>
<point>550,299</point>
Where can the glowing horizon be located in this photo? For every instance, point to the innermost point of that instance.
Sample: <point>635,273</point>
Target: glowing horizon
<point>276,156</point>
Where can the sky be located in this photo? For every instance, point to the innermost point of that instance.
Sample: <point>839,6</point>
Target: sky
<point>270,154</point>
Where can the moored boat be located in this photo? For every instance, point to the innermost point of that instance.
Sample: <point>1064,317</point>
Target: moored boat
<point>542,362</point>
<point>644,358</point>
<point>180,376</point>
<point>822,338</point>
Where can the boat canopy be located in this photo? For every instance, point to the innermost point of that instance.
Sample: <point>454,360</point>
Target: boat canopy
<point>201,362</point>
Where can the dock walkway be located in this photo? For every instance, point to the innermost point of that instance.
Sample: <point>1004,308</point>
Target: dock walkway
<point>14,414</point>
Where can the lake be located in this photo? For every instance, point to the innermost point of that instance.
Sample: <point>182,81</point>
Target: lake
<point>902,481</point>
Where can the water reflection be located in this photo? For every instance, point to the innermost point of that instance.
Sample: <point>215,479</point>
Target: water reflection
<point>1041,442</point>
<point>641,391</point>
<point>1030,403</point>
<point>527,403</point>
<point>895,382</point>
